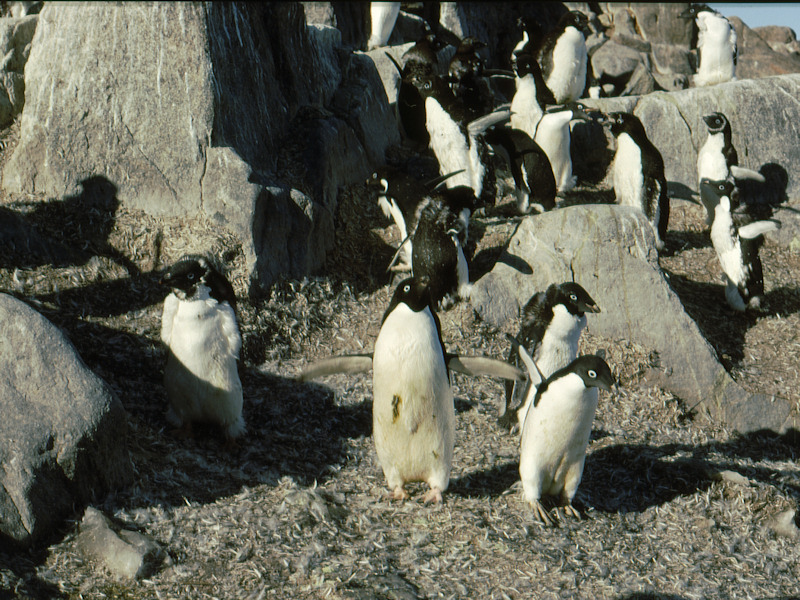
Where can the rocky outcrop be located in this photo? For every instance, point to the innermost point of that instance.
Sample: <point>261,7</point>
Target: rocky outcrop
<point>610,251</point>
<point>62,432</point>
<point>16,34</point>
<point>160,98</point>
<point>757,58</point>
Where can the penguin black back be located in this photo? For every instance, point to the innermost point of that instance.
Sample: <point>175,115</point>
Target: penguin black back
<point>527,65</point>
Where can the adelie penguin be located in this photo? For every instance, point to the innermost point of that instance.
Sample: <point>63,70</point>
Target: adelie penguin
<point>466,78</point>
<point>534,183</point>
<point>638,172</point>
<point>413,418</point>
<point>716,45</point>
<point>199,329</point>
<point>736,244</point>
<point>563,57</point>
<point>717,158</point>
<point>556,432</point>
<point>383,16</point>
<point>532,95</point>
<point>553,136</point>
<point>552,322</point>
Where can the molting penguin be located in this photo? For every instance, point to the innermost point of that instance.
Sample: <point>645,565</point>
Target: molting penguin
<point>466,78</point>
<point>438,252</point>
<point>532,95</point>
<point>563,57</point>
<point>383,16</point>
<point>736,244</point>
<point>552,322</point>
<point>716,45</point>
<point>534,183</point>
<point>556,432</point>
<point>553,136</point>
<point>456,142</point>
<point>198,326</point>
<point>638,172</point>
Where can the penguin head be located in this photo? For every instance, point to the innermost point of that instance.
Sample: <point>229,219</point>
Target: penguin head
<point>526,64</point>
<point>594,371</point>
<point>696,9</point>
<point>414,292</point>
<point>576,299</point>
<point>622,122</point>
<point>192,275</point>
<point>716,122</point>
<point>718,193</point>
<point>378,182</point>
<point>576,19</point>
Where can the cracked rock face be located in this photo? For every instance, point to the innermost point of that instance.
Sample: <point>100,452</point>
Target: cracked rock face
<point>60,430</point>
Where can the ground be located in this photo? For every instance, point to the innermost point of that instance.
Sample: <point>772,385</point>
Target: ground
<point>673,505</point>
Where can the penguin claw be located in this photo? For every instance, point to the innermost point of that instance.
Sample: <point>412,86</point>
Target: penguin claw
<point>433,495</point>
<point>399,493</point>
<point>572,511</point>
<point>540,513</point>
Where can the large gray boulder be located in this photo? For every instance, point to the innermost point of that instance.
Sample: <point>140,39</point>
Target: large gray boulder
<point>765,119</point>
<point>610,251</point>
<point>16,34</point>
<point>185,107</point>
<point>62,432</point>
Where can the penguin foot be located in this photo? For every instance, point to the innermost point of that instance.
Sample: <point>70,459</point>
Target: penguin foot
<point>399,493</point>
<point>540,513</point>
<point>433,495</point>
<point>572,511</point>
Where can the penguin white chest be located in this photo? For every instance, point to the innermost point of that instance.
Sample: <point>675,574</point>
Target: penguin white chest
<point>449,144</point>
<point>413,414</point>
<point>711,161</point>
<point>525,110</point>
<point>201,374</point>
<point>553,136</point>
<point>717,45</point>
<point>554,439</point>
<point>628,175</point>
<point>568,77</point>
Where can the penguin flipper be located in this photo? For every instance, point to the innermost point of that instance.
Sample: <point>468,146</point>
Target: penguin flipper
<point>757,228</point>
<point>482,365</point>
<point>483,123</point>
<point>354,363</point>
<point>742,173</point>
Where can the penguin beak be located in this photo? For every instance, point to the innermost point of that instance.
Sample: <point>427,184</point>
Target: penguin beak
<point>592,308</point>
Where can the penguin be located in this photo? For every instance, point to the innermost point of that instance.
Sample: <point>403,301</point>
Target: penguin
<point>466,78</point>
<point>532,96</point>
<point>552,322</point>
<point>553,136</point>
<point>534,183</point>
<point>457,142</point>
<point>531,36</point>
<point>413,417</point>
<point>717,158</point>
<point>438,253</point>
<point>199,329</point>
<point>563,57</point>
<point>716,46</point>
<point>556,432</point>
<point>736,244</point>
<point>402,197</point>
<point>383,16</point>
<point>638,172</point>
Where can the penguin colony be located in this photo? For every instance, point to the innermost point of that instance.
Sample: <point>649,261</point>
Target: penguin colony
<point>476,134</point>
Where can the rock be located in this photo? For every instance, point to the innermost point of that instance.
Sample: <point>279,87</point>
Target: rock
<point>126,554</point>
<point>659,23</point>
<point>781,39</point>
<point>62,435</point>
<point>151,104</point>
<point>615,60</point>
<point>15,44</point>
<point>609,250</point>
<point>756,58</point>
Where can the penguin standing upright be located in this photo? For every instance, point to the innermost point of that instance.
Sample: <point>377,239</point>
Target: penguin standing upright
<point>383,16</point>
<point>198,326</point>
<point>563,57</point>
<point>552,322</point>
<point>556,432</point>
<point>716,45</point>
<point>736,244</point>
<point>532,95</point>
<point>413,416</point>
<point>638,172</point>
<point>534,183</point>
<point>465,75</point>
<point>553,136</point>
<point>717,158</point>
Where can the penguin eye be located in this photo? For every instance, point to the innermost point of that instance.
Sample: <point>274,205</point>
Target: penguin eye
<point>573,297</point>
<point>406,288</point>
<point>190,276</point>
<point>592,373</point>
<point>427,85</point>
